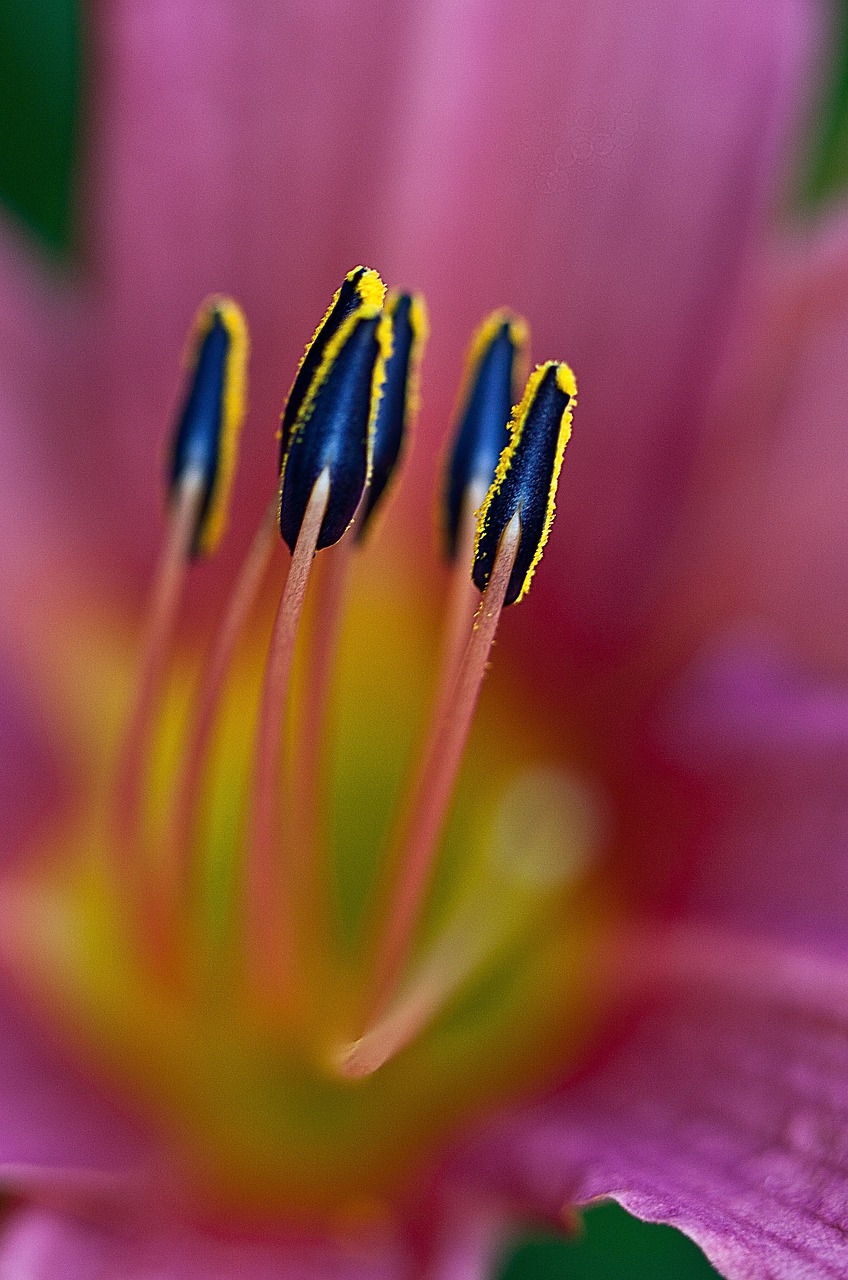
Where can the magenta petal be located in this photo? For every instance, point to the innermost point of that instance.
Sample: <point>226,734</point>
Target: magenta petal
<point>39,1245</point>
<point>465,1240</point>
<point>771,744</point>
<point>725,1118</point>
<point>30,778</point>
<point>57,1131</point>
<point>770,525</point>
<point>33,492</point>
<point>237,146</point>
<point>602,166</point>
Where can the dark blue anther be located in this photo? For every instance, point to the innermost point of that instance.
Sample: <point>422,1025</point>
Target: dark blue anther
<point>393,407</point>
<point>332,432</point>
<point>197,443</point>
<point>526,479</point>
<point>359,285</point>
<point>483,431</point>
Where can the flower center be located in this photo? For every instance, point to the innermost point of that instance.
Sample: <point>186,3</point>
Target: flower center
<point>305,988</point>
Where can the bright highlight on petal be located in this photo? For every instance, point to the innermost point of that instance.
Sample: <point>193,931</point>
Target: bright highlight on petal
<point>206,438</point>
<point>526,479</point>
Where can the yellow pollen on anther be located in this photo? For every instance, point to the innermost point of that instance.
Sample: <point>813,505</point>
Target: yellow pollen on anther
<point>565,383</point>
<point>370,291</point>
<point>481,340</point>
<point>234,409</point>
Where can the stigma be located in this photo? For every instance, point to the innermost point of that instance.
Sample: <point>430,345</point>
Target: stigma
<point>299,924</point>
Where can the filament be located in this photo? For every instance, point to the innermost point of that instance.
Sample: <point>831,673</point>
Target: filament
<point>185,809</point>
<point>269,924</point>
<point>309,833</point>
<point>463,598</point>
<point>155,652</point>
<point>437,776</point>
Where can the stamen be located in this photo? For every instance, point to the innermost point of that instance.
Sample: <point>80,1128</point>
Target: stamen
<point>396,409</point>
<point>495,358</point>
<point>326,465</point>
<point>305,788</point>
<point>203,461</point>
<point>156,645</point>
<point>206,439</point>
<point>438,774</point>
<point>177,864</point>
<point>527,475</point>
<point>529,467</point>
<point>494,371</point>
<point>268,925</point>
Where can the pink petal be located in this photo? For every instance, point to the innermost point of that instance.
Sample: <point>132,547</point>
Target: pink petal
<point>31,334</point>
<point>40,1245</point>
<point>463,1240</point>
<point>58,1133</point>
<point>30,778</point>
<point>771,745</point>
<point>723,1117</point>
<point>770,529</point>
<point>237,147</point>
<point>602,166</point>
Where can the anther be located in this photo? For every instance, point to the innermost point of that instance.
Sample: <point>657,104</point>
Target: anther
<point>526,479</point>
<point>334,427</point>
<point>360,287</point>
<point>495,370</point>
<point>398,404</point>
<point>495,366</point>
<point>203,460</point>
<point>206,439</point>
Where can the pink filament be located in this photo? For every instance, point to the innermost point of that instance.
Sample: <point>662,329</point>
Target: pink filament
<point>305,800</point>
<point>436,777</point>
<point>269,924</point>
<point>184,816</point>
<point>156,650</point>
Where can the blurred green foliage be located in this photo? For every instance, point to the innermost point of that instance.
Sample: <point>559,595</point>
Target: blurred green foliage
<point>612,1246</point>
<point>825,170</point>
<point>41,74</point>
<point>40,78</point>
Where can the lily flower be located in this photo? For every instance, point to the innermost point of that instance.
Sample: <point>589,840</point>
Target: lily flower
<point>302,972</point>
